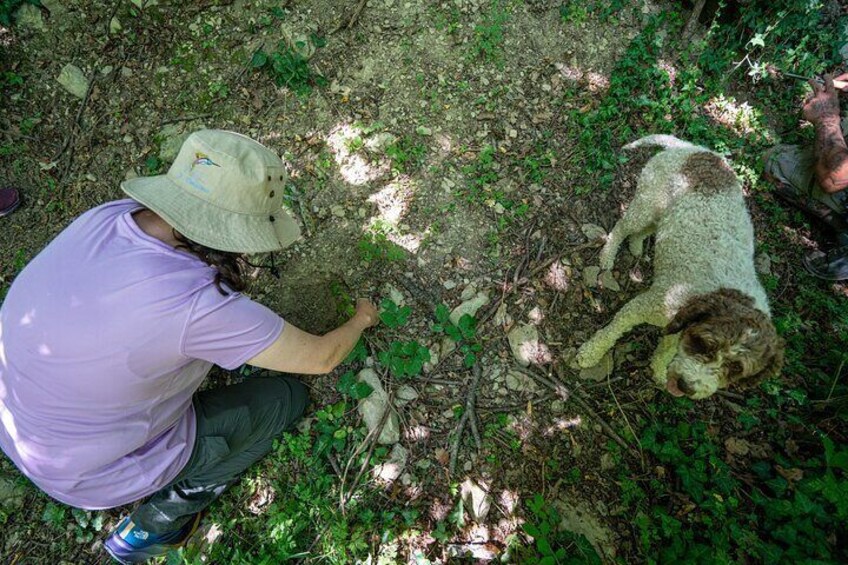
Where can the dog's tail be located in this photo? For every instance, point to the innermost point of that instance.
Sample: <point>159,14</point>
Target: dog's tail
<point>662,140</point>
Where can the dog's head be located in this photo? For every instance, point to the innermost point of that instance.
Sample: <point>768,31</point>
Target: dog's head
<point>724,341</point>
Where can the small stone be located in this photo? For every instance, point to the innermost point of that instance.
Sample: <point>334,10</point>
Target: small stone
<point>762,264</point>
<point>502,317</point>
<point>449,284</point>
<point>498,208</point>
<point>590,276</point>
<point>468,292</point>
<point>394,294</point>
<point>421,130</point>
<point>390,470</point>
<point>337,211</point>
<point>519,382</point>
<point>130,174</point>
<point>593,232</point>
<point>476,499</point>
<point>513,133</point>
<point>526,347</point>
<point>404,395</point>
<point>600,371</point>
<point>372,407</point>
<point>106,70</point>
<point>29,17</point>
<point>73,80</point>
<point>608,281</point>
<point>469,307</point>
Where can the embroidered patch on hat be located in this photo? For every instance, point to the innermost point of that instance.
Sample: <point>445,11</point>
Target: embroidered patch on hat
<point>201,159</point>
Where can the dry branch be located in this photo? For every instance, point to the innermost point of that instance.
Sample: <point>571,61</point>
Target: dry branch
<point>468,415</point>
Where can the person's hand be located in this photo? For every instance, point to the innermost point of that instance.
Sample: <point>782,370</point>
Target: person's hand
<point>823,103</point>
<point>841,82</point>
<point>367,314</point>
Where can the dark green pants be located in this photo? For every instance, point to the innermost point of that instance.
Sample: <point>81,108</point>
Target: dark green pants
<point>236,426</point>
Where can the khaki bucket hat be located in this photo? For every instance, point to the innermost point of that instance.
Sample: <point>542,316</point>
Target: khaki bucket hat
<point>224,191</point>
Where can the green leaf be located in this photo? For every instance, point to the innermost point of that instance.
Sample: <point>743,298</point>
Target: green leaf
<point>544,546</point>
<point>258,60</point>
<point>442,314</point>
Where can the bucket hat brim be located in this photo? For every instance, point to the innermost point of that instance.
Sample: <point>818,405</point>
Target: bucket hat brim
<point>209,225</point>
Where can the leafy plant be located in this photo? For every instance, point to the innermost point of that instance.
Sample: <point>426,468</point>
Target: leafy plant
<point>552,544</point>
<point>405,359</point>
<point>463,333</point>
<point>488,36</point>
<point>406,154</point>
<point>375,245</point>
<point>392,315</point>
<point>350,386</point>
<point>289,68</point>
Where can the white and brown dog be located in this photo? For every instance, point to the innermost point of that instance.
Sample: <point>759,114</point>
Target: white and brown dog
<point>705,293</point>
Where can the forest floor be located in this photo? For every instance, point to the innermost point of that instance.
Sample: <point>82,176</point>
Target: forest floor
<point>462,152</point>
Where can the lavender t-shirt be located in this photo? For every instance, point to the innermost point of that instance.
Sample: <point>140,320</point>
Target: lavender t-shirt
<point>104,337</point>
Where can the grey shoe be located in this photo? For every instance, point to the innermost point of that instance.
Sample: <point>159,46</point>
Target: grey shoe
<point>830,266</point>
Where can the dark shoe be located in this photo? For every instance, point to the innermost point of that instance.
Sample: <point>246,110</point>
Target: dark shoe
<point>9,201</point>
<point>130,544</point>
<point>830,266</point>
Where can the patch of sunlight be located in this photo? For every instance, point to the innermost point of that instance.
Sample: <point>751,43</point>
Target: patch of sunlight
<point>596,81</point>
<point>213,534</point>
<point>739,117</point>
<point>561,424</point>
<point>509,500</point>
<point>392,203</point>
<point>536,352</point>
<point>417,433</point>
<point>44,349</point>
<point>354,168</point>
<point>27,318</point>
<point>558,276</point>
<point>669,69</point>
<point>445,144</point>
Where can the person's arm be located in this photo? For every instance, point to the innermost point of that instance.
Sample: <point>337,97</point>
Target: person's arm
<point>296,351</point>
<point>822,110</point>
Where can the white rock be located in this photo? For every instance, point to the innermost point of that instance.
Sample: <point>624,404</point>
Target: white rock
<point>393,467</point>
<point>29,17</point>
<point>526,347</point>
<point>519,382</point>
<point>449,284</point>
<point>394,294</point>
<point>372,407</point>
<point>469,292</point>
<point>404,395</point>
<point>73,80</point>
<point>469,307</point>
<point>476,499</point>
<point>593,232</point>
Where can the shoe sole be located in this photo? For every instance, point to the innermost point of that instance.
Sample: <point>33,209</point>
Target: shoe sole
<point>126,554</point>
<point>11,208</point>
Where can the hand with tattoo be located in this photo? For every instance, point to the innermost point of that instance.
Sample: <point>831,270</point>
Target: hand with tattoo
<point>823,104</point>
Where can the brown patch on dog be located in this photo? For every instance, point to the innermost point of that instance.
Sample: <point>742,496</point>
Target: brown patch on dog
<point>708,174</point>
<point>725,325</point>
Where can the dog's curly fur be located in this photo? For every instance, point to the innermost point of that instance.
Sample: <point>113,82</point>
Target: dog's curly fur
<point>705,291</point>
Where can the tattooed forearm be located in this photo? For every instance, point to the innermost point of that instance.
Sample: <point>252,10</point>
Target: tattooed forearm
<point>831,156</point>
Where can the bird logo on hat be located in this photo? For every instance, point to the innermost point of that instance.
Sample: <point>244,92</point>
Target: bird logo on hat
<point>202,159</point>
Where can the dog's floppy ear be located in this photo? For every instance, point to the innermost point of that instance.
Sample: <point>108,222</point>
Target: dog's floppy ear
<point>702,306</point>
<point>772,368</point>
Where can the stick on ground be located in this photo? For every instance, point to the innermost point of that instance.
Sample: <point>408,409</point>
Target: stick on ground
<point>469,417</point>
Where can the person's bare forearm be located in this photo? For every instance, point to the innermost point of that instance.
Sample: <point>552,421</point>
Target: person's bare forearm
<point>341,341</point>
<point>831,155</point>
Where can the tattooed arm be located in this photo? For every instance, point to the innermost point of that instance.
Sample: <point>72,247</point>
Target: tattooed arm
<point>822,109</point>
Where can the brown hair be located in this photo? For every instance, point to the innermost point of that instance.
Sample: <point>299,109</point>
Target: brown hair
<point>230,266</point>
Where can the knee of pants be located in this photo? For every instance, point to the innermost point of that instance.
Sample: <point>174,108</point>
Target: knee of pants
<point>290,398</point>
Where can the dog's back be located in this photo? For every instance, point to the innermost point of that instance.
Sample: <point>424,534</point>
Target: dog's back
<point>704,234</point>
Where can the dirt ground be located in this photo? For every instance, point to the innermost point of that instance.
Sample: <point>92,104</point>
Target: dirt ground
<point>403,72</point>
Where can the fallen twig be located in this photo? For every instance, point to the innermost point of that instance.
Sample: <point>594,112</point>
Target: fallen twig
<point>369,443</point>
<point>353,19</point>
<point>468,414</point>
